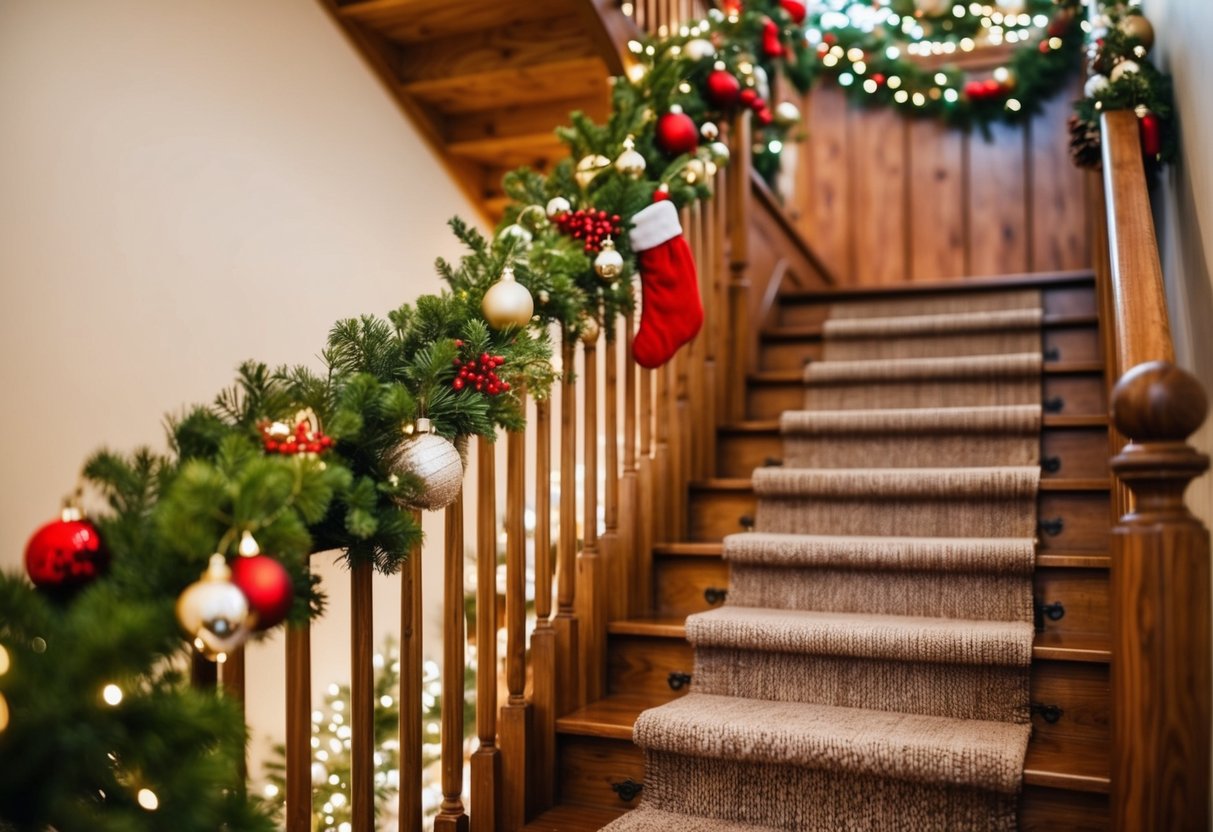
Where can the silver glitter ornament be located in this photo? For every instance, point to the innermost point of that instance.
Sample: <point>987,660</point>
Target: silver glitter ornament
<point>433,460</point>
<point>214,612</point>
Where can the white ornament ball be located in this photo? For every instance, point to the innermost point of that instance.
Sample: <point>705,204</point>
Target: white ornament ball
<point>516,232</point>
<point>630,163</point>
<point>787,113</point>
<point>608,265</point>
<point>1095,85</point>
<point>1122,69</point>
<point>558,205</point>
<point>695,171</point>
<point>214,612</point>
<point>699,49</point>
<point>709,131</point>
<point>762,83</point>
<point>720,152</point>
<point>507,302</point>
<point>435,461</point>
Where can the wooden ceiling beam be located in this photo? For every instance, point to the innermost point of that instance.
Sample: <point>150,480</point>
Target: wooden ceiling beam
<point>583,77</point>
<point>417,21</point>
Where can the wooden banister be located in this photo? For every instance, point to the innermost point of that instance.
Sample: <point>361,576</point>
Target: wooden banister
<point>1160,575</point>
<point>486,763</point>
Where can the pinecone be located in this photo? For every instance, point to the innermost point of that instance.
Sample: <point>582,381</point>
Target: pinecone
<point>1085,143</point>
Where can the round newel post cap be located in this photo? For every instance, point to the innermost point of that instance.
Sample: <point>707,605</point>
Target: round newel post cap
<point>1158,402</point>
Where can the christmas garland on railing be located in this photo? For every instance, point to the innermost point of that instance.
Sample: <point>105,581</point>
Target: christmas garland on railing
<point>1123,78</point>
<point>289,462</point>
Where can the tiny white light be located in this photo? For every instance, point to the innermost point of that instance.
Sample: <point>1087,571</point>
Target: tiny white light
<point>1013,105</point>
<point>959,11</point>
<point>919,99</point>
<point>148,800</point>
<point>854,54</point>
<point>1002,74</point>
<point>112,694</point>
<point>271,790</point>
<point>1055,43</point>
<point>869,86</point>
<point>892,53</point>
<point>968,44</point>
<point>894,82</point>
<point>901,96</point>
<point>1041,20</point>
<point>4,661</point>
<point>334,780</point>
<point>940,78</point>
<point>846,79</point>
<point>386,701</point>
<point>775,146</point>
<point>829,60</point>
<point>860,67</point>
<point>636,73</point>
<point>951,96</point>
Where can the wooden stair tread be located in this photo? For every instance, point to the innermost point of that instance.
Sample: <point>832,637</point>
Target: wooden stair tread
<point>571,817</point>
<point>1050,368</point>
<point>800,332</point>
<point>1078,767</point>
<point>1055,560</point>
<point>1013,281</point>
<point>734,484</point>
<point>1049,420</point>
<point>1048,645</point>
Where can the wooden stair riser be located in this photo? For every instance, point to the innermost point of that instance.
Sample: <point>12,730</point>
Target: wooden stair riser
<point>719,511</point>
<point>1051,810</point>
<point>1079,394</point>
<point>1079,452</point>
<point>590,765</point>
<point>681,585</point>
<point>783,350</point>
<point>1077,298</point>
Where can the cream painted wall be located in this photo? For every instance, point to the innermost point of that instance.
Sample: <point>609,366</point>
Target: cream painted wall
<point>184,185</point>
<point>1184,202</point>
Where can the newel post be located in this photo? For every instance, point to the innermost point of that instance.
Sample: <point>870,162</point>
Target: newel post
<point>1160,608</point>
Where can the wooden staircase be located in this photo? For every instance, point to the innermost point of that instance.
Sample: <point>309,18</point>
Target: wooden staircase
<point>649,660</point>
<point>486,83</point>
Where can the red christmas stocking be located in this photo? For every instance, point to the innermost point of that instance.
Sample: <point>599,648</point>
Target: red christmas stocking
<point>671,312</point>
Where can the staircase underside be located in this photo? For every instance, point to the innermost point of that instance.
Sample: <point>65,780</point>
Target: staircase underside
<point>486,83</point>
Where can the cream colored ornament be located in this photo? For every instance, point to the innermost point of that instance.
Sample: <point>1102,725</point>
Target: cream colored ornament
<point>516,232</point>
<point>1095,85</point>
<point>762,83</point>
<point>1122,69</point>
<point>558,205</point>
<point>214,612</point>
<point>695,171</point>
<point>435,461</point>
<point>589,330</point>
<point>589,167</point>
<point>507,302</point>
<point>699,49</point>
<point>630,163</point>
<point>608,265</point>
<point>709,131</point>
<point>720,152</point>
<point>787,113</point>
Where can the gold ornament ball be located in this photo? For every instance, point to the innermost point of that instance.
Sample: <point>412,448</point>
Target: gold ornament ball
<point>589,167</point>
<point>1138,28</point>
<point>558,205</point>
<point>720,152</point>
<point>630,163</point>
<point>699,49</point>
<point>608,265</point>
<point>214,612</point>
<point>589,331</point>
<point>1122,69</point>
<point>507,302</point>
<point>709,131</point>
<point>695,171</point>
<point>433,460</point>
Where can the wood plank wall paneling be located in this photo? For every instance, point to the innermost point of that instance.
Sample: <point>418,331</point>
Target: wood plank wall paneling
<point>884,199</point>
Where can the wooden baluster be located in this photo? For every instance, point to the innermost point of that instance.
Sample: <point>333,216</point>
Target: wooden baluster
<point>568,691</point>
<point>412,671</point>
<point>362,698</point>
<point>721,292</point>
<point>663,496</point>
<point>515,714</point>
<point>677,413</point>
<point>629,514</point>
<point>646,498</point>
<point>204,673</point>
<point>485,759</point>
<point>541,783</point>
<point>231,674</point>
<point>696,463</point>
<point>1161,675</point>
<point>739,280</point>
<point>707,288</point>
<point>451,815</point>
<point>610,544</point>
<point>299,727</point>
<point>591,574</point>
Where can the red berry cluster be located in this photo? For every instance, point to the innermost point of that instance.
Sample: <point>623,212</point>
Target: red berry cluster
<point>591,226</point>
<point>480,373</point>
<point>989,89</point>
<point>278,438</point>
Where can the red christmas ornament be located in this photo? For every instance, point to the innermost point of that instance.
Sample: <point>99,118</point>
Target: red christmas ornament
<point>764,116</point>
<point>65,554</point>
<point>974,90</point>
<point>676,133</point>
<point>795,9</point>
<point>267,586</point>
<point>747,97</point>
<point>993,88</point>
<point>1151,135</point>
<point>771,45</point>
<point>722,89</point>
<point>878,77</point>
<point>731,6</point>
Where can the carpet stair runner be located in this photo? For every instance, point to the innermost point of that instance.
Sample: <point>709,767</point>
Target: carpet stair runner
<point>870,669</point>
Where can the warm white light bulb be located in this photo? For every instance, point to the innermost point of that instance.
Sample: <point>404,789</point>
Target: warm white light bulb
<point>112,694</point>
<point>148,800</point>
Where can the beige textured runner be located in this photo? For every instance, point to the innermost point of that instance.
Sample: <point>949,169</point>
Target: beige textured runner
<point>870,668</point>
